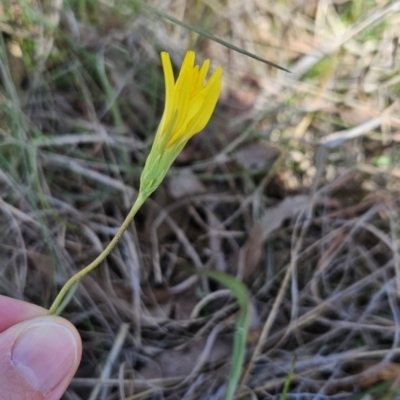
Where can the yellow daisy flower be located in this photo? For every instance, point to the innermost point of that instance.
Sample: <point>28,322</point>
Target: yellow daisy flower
<point>189,104</point>
<point>190,100</point>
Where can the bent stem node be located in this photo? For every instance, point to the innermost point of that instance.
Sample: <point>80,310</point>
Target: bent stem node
<point>138,203</point>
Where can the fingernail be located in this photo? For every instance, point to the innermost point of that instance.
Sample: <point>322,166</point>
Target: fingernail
<point>44,353</point>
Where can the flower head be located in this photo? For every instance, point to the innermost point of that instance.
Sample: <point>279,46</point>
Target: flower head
<point>190,101</point>
<point>189,104</point>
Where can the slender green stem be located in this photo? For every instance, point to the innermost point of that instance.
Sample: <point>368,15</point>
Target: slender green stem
<point>138,203</point>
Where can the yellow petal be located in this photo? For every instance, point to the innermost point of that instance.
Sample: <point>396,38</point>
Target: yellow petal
<point>203,71</point>
<point>183,89</point>
<point>211,94</point>
<point>169,89</point>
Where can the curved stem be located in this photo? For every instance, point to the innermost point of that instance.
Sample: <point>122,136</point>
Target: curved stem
<point>138,203</point>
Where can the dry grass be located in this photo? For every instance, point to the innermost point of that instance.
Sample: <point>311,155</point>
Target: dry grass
<point>293,188</point>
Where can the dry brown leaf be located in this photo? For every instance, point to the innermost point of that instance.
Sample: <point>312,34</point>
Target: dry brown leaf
<point>250,254</point>
<point>184,304</point>
<point>253,250</point>
<point>155,296</point>
<point>274,217</point>
<point>354,116</point>
<point>258,156</point>
<point>40,275</point>
<point>173,363</point>
<point>388,372</point>
<point>185,184</point>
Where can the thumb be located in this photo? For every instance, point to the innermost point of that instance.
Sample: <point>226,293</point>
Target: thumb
<point>38,358</point>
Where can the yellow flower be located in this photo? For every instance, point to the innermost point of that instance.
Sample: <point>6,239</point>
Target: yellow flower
<point>189,104</point>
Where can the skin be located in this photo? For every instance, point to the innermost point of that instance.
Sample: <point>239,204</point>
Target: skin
<point>55,347</point>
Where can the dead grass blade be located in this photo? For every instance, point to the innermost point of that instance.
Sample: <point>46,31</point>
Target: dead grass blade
<point>208,35</point>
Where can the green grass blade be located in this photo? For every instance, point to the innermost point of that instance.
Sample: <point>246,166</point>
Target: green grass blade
<point>287,381</point>
<point>239,290</point>
<point>109,91</point>
<point>206,34</point>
